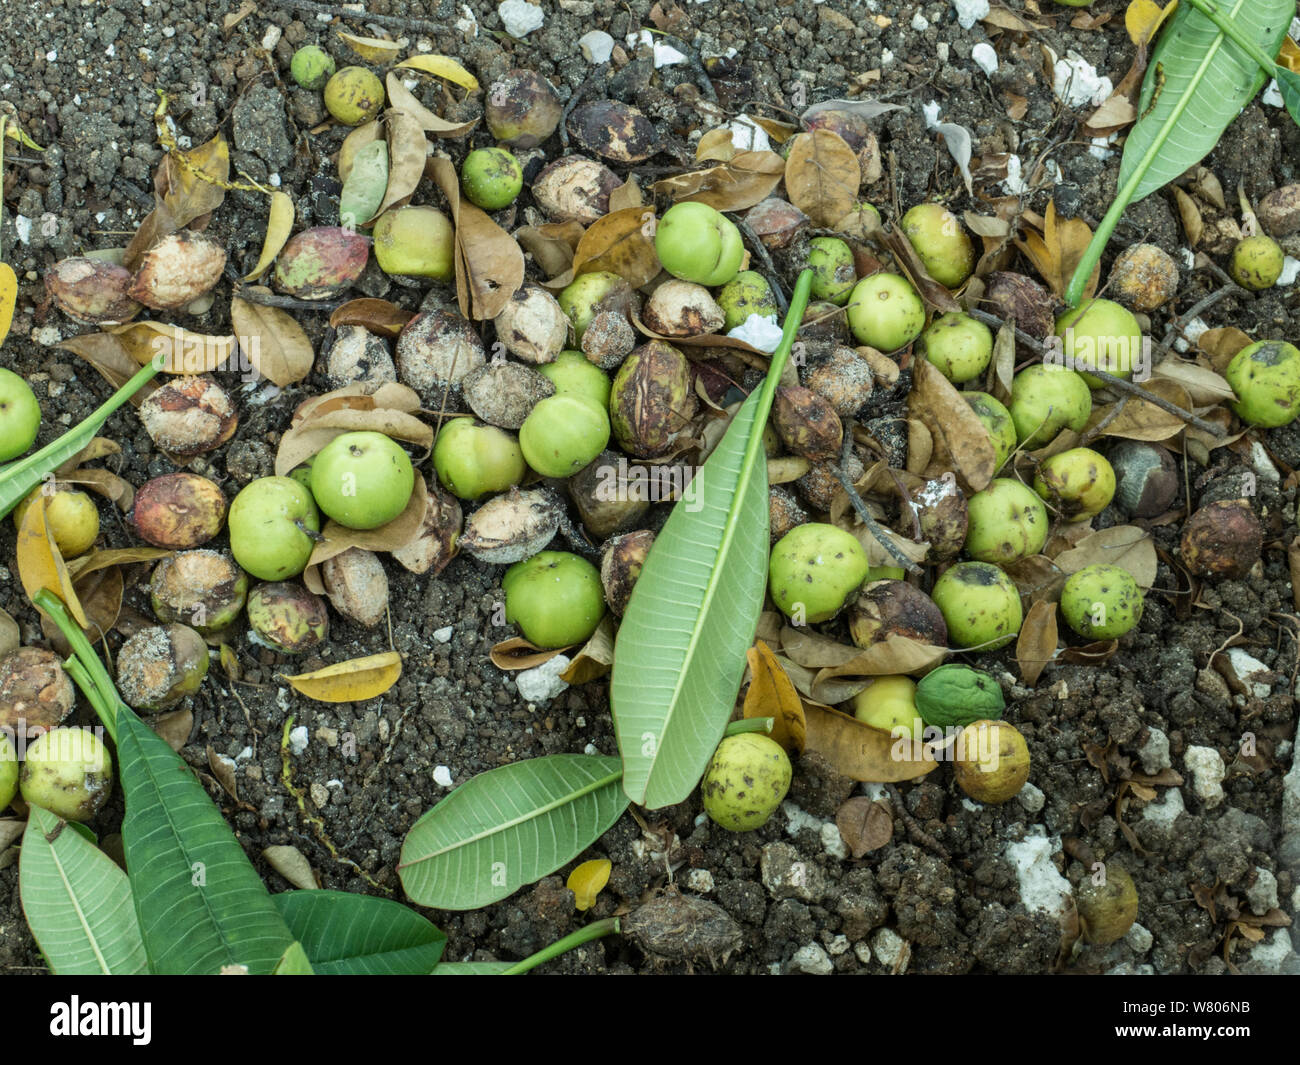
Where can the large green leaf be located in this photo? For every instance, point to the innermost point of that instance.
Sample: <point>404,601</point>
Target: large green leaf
<point>200,902</point>
<point>77,902</point>
<point>509,827</point>
<point>472,968</point>
<point>360,935</point>
<point>680,652</point>
<point>294,962</point>
<point>1288,84</point>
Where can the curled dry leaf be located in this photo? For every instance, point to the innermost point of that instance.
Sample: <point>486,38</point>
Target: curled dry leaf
<point>223,769</point>
<point>352,681</point>
<point>1092,654</point>
<point>517,653</point>
<point>552,245</point>
<point>1036,644</point>
<point>115,556</point>
<point>397,533</point>
<point>175,727</point>
<point>935,295</point>
<point>371,49</point>
<point>359,395</point>
<point>1057,251</point>
<point>738,183</point>
<point>1036,578</point>
<point>822,176</point>
<point>707,340</point>
<point>402,99</point>
<point>596,656</point>
<point>40,565</point>
<point>105,483</point>
<point>379,316</point>
<point>827,692</point>
<point>291,864</point>
<point>1190,214</point>
<point>279,224</point>
<point>961,443</point>
<point>303,441</point>
<point>832,660</point>
<point>489,263</point>
<point>621,242</point>
<point>105,353</point>
<point>407,151</point>
<point>865,825</point>
<point>861,752</point>
<point>1140,420</point>
<point>1220,345</point>
<point>626,195</point>
<point>274,342</point>
<point>100,595</point>
<point>772,694</point>
<point>1125,546</point>
<point>181,351</point>
<point>1204,386</point>
<point>441,66</point>
<point>187,187</point>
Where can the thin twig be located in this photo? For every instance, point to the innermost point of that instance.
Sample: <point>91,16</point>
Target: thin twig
<point>285,303</point>
<point>773,278</point>
<point>860,508</point>
<point>1100,427</point>
<point>1180,321</point>
<point>396,21</point>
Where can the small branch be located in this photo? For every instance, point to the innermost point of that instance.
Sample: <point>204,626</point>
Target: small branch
<point>1100,427</point>
<point>1031,342</point>
<point>774,278</point>
<point>860,508</point>
<point>1175,330</point>
<point>285,303</point>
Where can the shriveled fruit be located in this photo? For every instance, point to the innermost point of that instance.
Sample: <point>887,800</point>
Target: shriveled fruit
<point>434,545</point>
<point>189,415</point>
<point>512,526</point>
<point>575,189</point>
<point>35,692</point>
<point>776,222</point>
<point>590,293</point>
<point>532,325</point>
<point>358,355</point>
<point>91,290</point>
<point>651,402</point>
<point>842,377</point>
<point>357,585</point>
<point>1015,296</point>
<point>555,598</point>
<point>503,393</point>
<point>1144,277</point>
<point>177,270</point>
<point>203,589</point>
<point>1222,539</point>
<point>682,309</point>
<point>943,512</point>
<point>161,665</point>
<point>435,351</point>
<point>613,130</point>
<point>522,109</point>
<point>604,499</point>
<point>895,608</point>
<point>620,566</point>
<point>1107,905</point>
<point>178,511</point>
<point>286,617</point>
<point>807,423</point>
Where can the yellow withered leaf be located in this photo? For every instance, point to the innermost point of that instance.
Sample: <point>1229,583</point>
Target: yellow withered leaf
<point>442,66</point>
<point>279,224</point>
<point>1144,17</point>
<point>371,49</point>
<point>352,681</point>
<point>587,881</point>
<point>772,694</point>
<point>1289,55</point>
<point>8,299</point>
<point>182,352</point>
<point>40,565</point>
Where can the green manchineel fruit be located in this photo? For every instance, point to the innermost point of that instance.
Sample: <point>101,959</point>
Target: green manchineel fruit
<point>70,515</point>
<point>287,618</point>
<point>1006,521</point>
<point>20,415</point>
<point>980,605</point>
<point>1101,602</point>
<point>416,242</point>
<point>1079,482</point>
<point>69,772</point>
<point>555,598</point>
<point>746,294</point>
<point>311,66</point>
<point>889,704</point>
<point>562,434</point>
<point>941,242</point>
<point>8,771</point>
<point>362,480</point>
<point>572,372</point>
<point>815,569</point>
<point>1266,378</point>
<point>996,420</point>
<point>959,346</point>
<point>745,781</point>
<point>698,243</point>
<point>1046,399</point>
<point>1107,909</point>
<point>991,761</point>
<point>1257,263</point>
<point>885,312</point>
<point>831,261</point>
<point>271,525</point>
<point>954,696</point>
<point>1100,335</point>
<point>354,95</point>
<point>585,294</point>
<point>491,178</point>
<point>473,459</point>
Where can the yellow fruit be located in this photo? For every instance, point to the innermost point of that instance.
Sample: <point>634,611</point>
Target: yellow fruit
<point>991,761</point>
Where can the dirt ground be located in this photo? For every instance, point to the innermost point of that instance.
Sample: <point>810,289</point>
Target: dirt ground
<point>83,77</point>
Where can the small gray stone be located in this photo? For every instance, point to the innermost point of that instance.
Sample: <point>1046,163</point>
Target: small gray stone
<point>1139,938</point>
<point>1154,751</point>
<point>1262,893</point>
<point>891,950</point>
<point>1031,798</point>
<point>787,875</point>
<point>812,959</point>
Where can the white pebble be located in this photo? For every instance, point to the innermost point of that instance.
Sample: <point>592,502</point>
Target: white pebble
<point>837,946</point>
<point>833,842</point>
<point>1290,271</point>
<point>1076,82</point>
<point>1015,184</point>
<point>543,683</point>
<point>519,17</point>
<point>862,952</point>
<point>23,227</point>
<point>1042,887</point>
<point>1139,938</point>
<point>891,949</point>
<point>813,960</point>
<point>920,23</point>
<point>1247,667</point>
<point>1207,769</point>
<point>700,881</point>
<point>298,739</point>
<point>665,55</point>
<point>1031,797</point>
<point>1154,752</point>
<point>271,37</point>
<point>759,332</point>
<point>443,634</point>
<point>442,776</point>
<point>597,46</point>
<point>985,57</point>
<point>467,23</point>
<point>970,12</point>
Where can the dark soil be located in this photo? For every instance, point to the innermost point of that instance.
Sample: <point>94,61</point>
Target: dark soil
<point>84,81</point>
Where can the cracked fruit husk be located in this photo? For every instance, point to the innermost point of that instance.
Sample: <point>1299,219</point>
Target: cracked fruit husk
<point>651,402</point>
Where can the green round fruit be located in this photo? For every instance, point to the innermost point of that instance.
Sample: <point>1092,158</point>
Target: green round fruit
<point>697,243</point>
<point>997,421</point>
<point>555,598</point>
<point>954,696</point>
<point>1046,399</point>
<point>991,761</point>
<point>746,294</point>
<point>1101,602</point>
<point>1257,263</point>
<point>311,66</point>
<point>834,275</point>
<point>1100,335</point>
<point>889,704</point>
<point>1079,483</point>
<point>362,480</point>
<point>941,242</point>
<point>354,95</point>
<point>70,515</point>
<point>69,772</point>
<point>885,312</point>
<point>1266,378</point>
<point>1006,521</point>
<point>745,781</point>
<point>585,294</point>
<point>416,242</point>
<point>959,346</point>
<point>491,178</point>
<point>270,525</point>
<point>562,434</point>
<point>573,373</point>
<point>20,415</point>
<point>980,605</point>
<point>8,771</point>
<point>473,459</point>
<point>1107,909</point>
<point>814,570</point>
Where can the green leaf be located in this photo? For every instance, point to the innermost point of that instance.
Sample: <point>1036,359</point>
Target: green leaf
<point>77,902</point>
<point>200,902</point>
<point>1288,83</point>
<point>294,962</point>
<point>471,968</point>
<point>680,651</point>
<point>360,935</point>
<point>20,477</point>
<point>509,827</point>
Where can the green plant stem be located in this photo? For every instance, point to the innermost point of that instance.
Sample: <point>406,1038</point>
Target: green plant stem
<point>89,671</point>
<point>1230,30</point>
<point>595,930</point>
<point>750,724</point>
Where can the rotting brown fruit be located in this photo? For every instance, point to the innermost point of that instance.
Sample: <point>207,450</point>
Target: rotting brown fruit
<point>532,326</point>
<point>682,309</point>
<point>178,511</point>
<point>895,608</point>
<point>604,502</point>
<point>91,291</point>
<point>1222,539</point>
<point>435,544</point>
<point>190,415</point>
<point>522,109</point>
<point>575,189</point>
<point>321,263</point>
<point>161,665</point>
<point>357,585</point>
<point>776,222</point>
<point>1010,295</point>
<point>784,512</point>
<point>35,692</point>
<point>608,339</point>
<point>614,130</point>
<point>435,351</point>
<point>819,486</point>
<point>808,424</point>
<point>503,393</point>
<point>1279,211</point>
<point>943,516</point>
<point>177,270</point>
<point>620,566</point>
<point>203,589</point>
<point>1144,277</point>
<point>651,402</point>
<point>286,617</point>
<point>511,527</point>
<point>358,355</point>
<point>842,377</point>
<point>1146,478</point>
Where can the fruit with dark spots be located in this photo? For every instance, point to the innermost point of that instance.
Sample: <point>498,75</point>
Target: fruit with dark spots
<point>620,566</point>
<point>746,779</point>
<point>1101,602</point>
<point>1015,296</point>
<point>203,589</point>
<point>614,130</point>
<point>1078,483</point>
<point>286,617</point>
<point>997,421</point>
<point>491,178</point>
<point>980,605</point>
<point>522,109</point>
<point>69,772</point>
<point>956,696</point>
<point>1046,399</point>
<point>1257,263</point>
<point>814,570</point>
<point>354,95</point>
<point>1266,378</point>
<point>958,346</point>
<point>532,325</point>
<point>746,294</point>
<point>189,415</point>
<point>885,312</point>
<point>831,261</point>
<point>321,263</point>
<point>1007,521</point>
<point>35,692</point>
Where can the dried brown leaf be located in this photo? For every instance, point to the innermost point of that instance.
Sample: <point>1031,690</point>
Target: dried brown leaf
<point>865,825</point>
<point>596,657</point>
<point>822,176</point>
<point>961,443</point>
<point>181,351</point>
<point>1125,546</point>
<point>397,533</point>
<point>274,342</point>
<point>379,316</point>
<point>738,183</point>
<point>861,752</point>
<point>772,694</point>
<point>1036,644</point>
